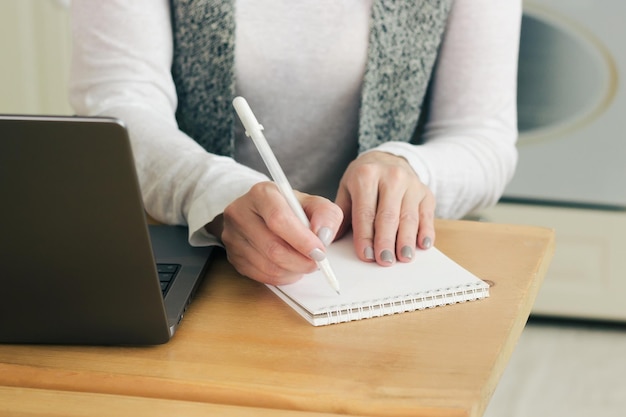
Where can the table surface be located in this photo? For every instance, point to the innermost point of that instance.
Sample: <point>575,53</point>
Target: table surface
<point>241,350</point>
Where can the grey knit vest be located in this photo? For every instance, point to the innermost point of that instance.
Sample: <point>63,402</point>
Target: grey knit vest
<point>405,36</point>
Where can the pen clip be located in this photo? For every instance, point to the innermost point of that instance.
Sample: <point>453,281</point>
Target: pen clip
<point>249,135</point>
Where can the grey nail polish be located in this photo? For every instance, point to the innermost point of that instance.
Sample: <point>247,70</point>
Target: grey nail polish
<point>325,235</point>
<point>407,252</point>
<point>386,256</point>
<point>317,255</point>
<point>427,242</point>
<point>369,253</point>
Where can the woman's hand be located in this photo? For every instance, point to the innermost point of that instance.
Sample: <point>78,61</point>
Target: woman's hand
<point>264,239</point>
<point>390,209</point>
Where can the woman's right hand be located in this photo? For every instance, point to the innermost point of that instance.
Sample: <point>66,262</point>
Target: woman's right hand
<point>266,241</point>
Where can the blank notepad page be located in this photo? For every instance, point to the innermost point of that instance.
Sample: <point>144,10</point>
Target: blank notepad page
<point>370,290</point>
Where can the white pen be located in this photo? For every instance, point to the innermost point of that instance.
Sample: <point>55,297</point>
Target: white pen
<point>254,131</point>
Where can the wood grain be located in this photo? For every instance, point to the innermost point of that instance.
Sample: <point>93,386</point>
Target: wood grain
<point>31,402</point>
<point>240,345</point>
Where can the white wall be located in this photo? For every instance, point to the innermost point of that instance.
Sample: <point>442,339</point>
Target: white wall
<point>35,52</point>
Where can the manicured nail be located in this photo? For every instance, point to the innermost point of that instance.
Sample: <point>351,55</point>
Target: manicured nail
<point>386,256</point>
<point>325,235</point>
<point>407,252</point>
<point>369,253</point>
<point>317,255</point>
<point>427,242</point>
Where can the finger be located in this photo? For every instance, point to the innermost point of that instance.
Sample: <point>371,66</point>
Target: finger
<point>344,202</point>
<point>426,233</point>
<point>391,194</point>
<point>363,191</point>
<point>249,257</point>
<point>408,225</point>
<point>285,224</point>
<point>248,261</point>
<point>245,225</point>
<point>325,216</point>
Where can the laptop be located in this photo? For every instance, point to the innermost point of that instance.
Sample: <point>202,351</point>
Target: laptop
<point>78,262</point>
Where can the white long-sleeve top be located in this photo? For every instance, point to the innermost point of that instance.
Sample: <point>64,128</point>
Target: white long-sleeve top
<point>300,65</point>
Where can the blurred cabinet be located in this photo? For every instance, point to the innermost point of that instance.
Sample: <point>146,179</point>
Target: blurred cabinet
<point>35,54</point>
<point>571,107</point>
<point>587,277</point>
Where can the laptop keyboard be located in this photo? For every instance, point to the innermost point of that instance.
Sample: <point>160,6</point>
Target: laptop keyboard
<point>167,273</point>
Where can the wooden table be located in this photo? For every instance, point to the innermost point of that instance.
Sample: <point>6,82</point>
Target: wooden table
<point>242,350</point>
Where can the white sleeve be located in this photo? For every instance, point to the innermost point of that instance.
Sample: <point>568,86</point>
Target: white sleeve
<point>121,68</point>
<point>469,153</point>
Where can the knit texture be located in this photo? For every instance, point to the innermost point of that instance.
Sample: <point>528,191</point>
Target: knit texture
<point>203,71</point>
<point>403,47</point>
<point>404,41</point>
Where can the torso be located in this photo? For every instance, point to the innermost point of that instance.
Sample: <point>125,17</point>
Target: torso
<point>309,103</point>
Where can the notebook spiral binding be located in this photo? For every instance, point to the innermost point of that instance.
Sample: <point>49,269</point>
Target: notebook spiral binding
<point>401,304</point>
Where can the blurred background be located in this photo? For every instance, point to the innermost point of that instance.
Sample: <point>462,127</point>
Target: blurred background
<point>571,358</point>
<point>35,48</point>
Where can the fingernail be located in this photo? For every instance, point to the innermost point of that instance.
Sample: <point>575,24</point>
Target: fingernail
<point>407,252</point>
<point>317,255</point>
<point>386,256</point>
<point>325,235</point>
<point>427,242</point>
<point>369,253</point>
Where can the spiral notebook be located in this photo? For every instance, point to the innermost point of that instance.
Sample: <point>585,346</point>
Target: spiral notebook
<point>369,290</point>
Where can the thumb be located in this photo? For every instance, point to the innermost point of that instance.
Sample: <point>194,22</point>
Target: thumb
<point>344,202</point>
<point>324,215</point>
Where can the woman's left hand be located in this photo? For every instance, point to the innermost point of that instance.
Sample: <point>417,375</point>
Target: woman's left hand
<point>392,212</point>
